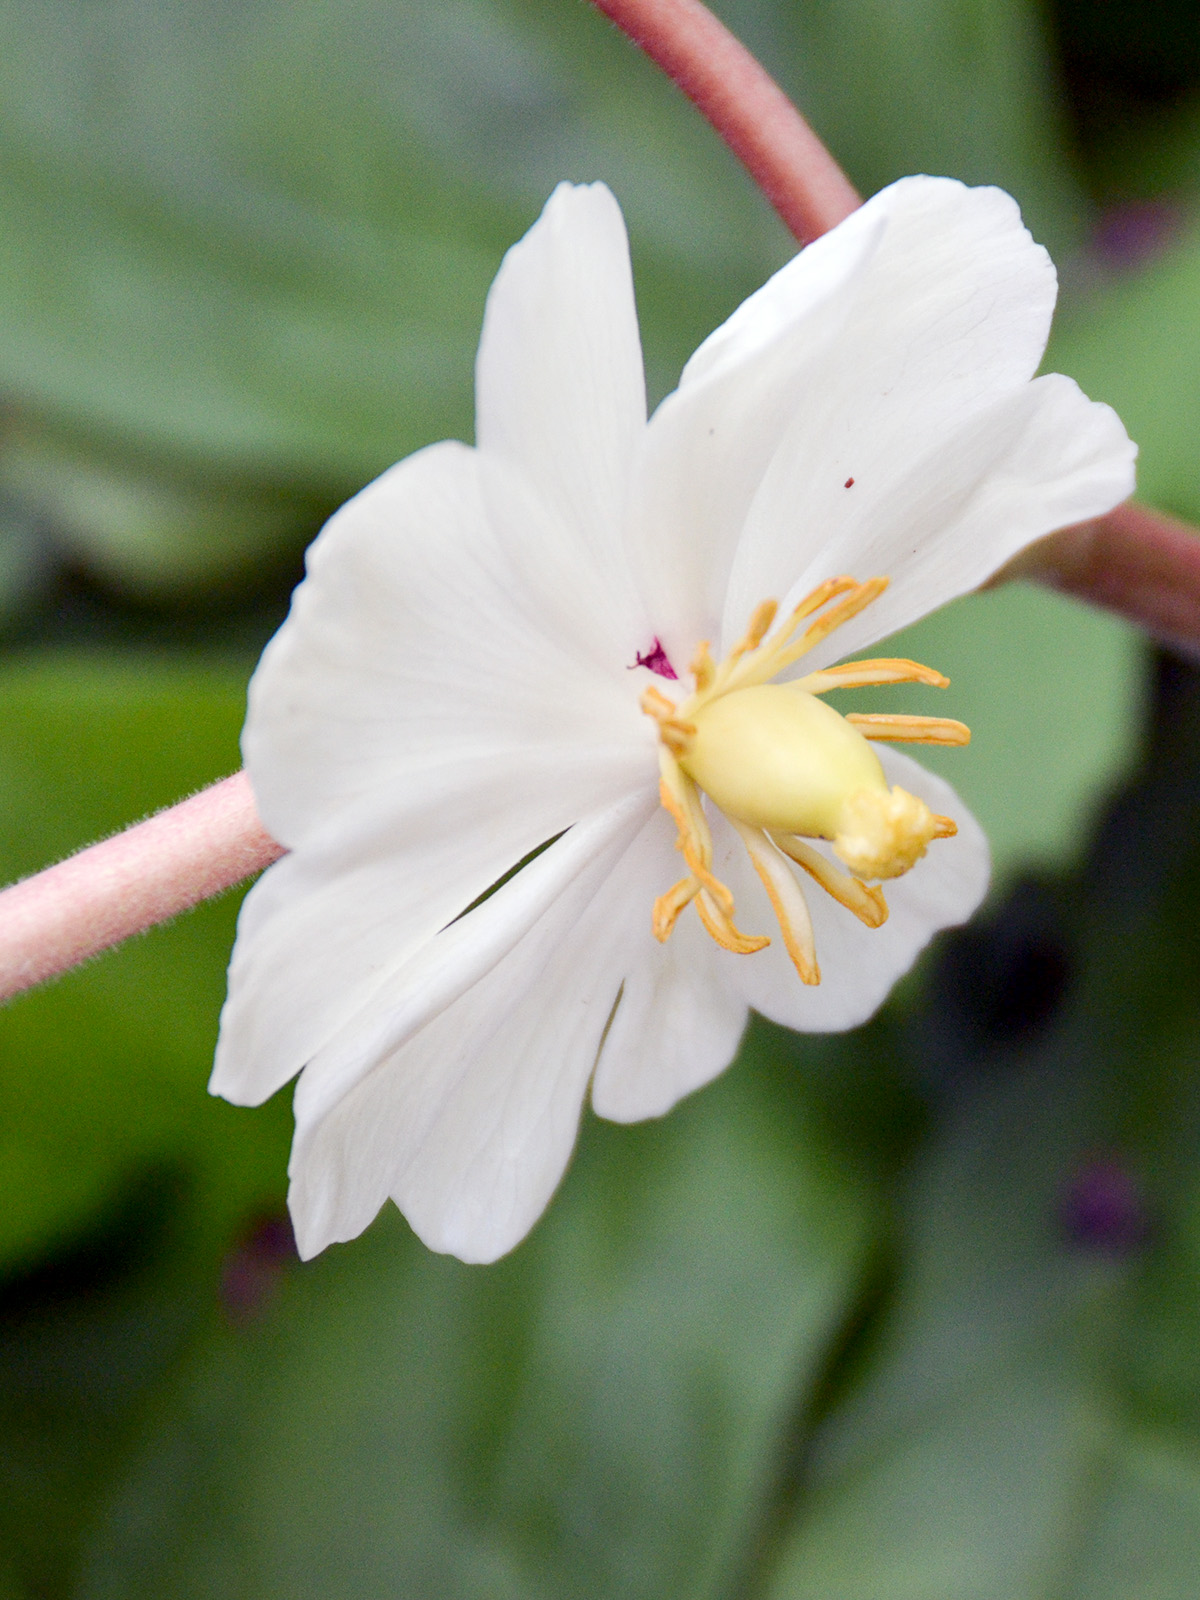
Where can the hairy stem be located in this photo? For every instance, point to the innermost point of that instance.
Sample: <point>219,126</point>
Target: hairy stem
<point>124,885</point>
<point>746,106</point>
<point>1134,561</point>
<point>1137,562</point>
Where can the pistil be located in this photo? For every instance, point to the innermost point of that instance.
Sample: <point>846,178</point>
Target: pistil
<point>784,768</point>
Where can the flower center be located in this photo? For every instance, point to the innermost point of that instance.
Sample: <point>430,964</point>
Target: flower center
<point>785,768</point>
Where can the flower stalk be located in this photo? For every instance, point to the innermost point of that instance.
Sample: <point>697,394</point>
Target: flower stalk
<point>746,107</point>
<point>1133,561</point>
<point>124,885</point>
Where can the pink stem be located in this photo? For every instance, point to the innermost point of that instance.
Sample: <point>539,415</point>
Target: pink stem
<point>1137,562</point>
<point>746,106</point>
<point>1134,561</point>
<point>124,885</point>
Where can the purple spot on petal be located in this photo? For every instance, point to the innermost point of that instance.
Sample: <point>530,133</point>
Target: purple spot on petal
<point>1103,1208</point>
<point>657,660</point>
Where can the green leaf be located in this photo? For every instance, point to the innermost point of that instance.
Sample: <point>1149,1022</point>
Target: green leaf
<point>604,1412</point>
<point>961,88</point>
<point>103,1073</point>
<point>84,1338</point>
<point>247,251</point>
<point>1136,344</point>
<point>1031,1423</point>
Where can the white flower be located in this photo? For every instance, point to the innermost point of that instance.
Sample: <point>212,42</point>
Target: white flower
<point>456,685</point>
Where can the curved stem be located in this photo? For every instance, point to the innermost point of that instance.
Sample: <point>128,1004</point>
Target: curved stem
<point>1136,562</point>
<point>746,106</point>
<point>124,885</point>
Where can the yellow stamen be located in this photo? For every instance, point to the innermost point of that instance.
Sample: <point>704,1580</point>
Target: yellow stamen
<point>779,653</point>
<point>764,616</point>
<point>784,768</point>
<point>674,732</point>
<point>714,902</point>
<point>821,595</point>
<point>866,901</point>
<point>722,929</point>
<point>910,730</point>
<point>861,674</point>
<point>668,906</point>
<point>703,667</point>
<point>787,901</point>
<point>857,600</point>
<point>655,704</point>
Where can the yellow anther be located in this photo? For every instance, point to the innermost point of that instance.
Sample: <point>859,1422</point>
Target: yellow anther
<point>857,600</point>
<point>910,730</point>
<point>787,902</point>
<point>821,596</point>
<point>714,902</point>
<point>863,674</point>
<point>674,732</point>
<point>703,667</point>
<point>764,616</point>
<point>668,906</point>
<point>721,927</point>
<point>865,900</point>
<point>779,652</point>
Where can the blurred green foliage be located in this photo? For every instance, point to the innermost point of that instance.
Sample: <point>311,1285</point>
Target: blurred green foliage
<point>849,1323</point>
<point>602,1413</point>
<point>101,1074</point>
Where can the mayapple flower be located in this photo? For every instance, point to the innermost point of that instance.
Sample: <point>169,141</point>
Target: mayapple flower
<point>593,645</point>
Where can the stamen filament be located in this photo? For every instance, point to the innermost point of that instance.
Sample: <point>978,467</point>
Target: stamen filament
<point>865,900</point>
<point>787,901</point>
<point>879,832</point>
<point>667,907</point>
<point>714,902</point>
<point>864,674</point>
<point>779,653</point>
<point>722,929</point>
<point>857,600</point>
<point>703,668</point>
<point>676,733</point>
<point>910,730</point>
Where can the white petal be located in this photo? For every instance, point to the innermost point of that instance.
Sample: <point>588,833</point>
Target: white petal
<point>929,286</point>
<point>458,1090</point>
<point>325,928</point>
<point>415,645</point>
<point>859,965</point>
<point>708,444</point>
<point>941,524</point>
<point>560,390</point>
<point>680,1016</point>
<point>417,727</point>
